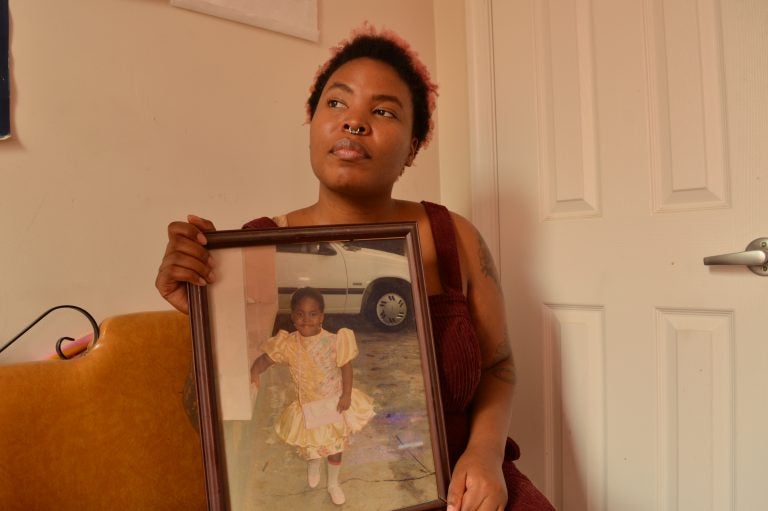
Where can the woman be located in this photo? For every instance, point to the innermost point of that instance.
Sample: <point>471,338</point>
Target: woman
<point>370,113</point>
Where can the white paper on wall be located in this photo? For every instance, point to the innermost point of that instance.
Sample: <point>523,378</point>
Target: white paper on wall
<point>293,17</point>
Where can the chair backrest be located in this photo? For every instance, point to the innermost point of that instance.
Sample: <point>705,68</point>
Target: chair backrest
<point>115,429</point>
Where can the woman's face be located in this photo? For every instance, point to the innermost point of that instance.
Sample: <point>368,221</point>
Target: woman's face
<point>368,95</point>
<point>307,317</point>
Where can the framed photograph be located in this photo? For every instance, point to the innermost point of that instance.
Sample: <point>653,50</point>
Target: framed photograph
<point>316,376</point>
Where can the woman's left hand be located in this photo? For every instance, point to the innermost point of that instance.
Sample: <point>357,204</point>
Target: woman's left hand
<point>344,403</point>
<point>477,483</point>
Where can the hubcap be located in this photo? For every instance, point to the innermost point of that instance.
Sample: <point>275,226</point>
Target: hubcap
<point>391,309</point>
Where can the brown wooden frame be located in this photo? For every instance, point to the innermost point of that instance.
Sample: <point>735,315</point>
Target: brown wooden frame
<point>200,301</point>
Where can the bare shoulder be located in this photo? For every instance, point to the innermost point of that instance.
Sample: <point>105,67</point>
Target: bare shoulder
<point>465,230</point>
<point>410,210</point>
<point>299,217</point>
<point>479,259</point>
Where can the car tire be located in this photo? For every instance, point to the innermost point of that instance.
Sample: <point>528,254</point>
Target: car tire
<point>389,306</point>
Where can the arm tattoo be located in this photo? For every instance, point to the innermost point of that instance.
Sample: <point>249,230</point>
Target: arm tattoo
<point>486,261</point>
<point>503,363</point>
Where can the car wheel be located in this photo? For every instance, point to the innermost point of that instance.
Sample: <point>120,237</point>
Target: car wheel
<point>390,306</point>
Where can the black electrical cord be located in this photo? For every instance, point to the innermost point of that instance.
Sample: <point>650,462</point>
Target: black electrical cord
<point>59,351</point>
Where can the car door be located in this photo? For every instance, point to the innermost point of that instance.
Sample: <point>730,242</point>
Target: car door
<point>319,265</point>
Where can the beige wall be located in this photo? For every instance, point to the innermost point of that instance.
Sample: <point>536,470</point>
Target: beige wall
<point>128,114</point>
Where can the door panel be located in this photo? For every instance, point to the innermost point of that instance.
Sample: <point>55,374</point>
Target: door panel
<point>632,131</point>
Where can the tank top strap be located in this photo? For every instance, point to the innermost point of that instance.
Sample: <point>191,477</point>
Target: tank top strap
<point>260,223</point>
<point>444,237</point>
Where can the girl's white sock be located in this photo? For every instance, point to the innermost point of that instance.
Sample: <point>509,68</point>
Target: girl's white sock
<point>313,472</point>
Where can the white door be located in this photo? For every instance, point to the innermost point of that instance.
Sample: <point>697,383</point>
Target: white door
<point>635,133</point>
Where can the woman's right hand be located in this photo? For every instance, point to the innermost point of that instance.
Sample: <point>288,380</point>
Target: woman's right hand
<point>185,260</point>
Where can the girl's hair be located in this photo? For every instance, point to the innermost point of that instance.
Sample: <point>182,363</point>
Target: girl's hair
<point>307,292</point>
<point>389,48</point>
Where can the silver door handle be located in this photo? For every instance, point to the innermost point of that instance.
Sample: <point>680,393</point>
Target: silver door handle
<point>755,256</point>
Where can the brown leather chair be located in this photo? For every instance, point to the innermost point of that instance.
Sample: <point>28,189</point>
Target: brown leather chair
<point>115,429</point>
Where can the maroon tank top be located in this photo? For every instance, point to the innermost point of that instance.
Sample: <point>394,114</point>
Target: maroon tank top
<point>456,343</point>
<point>460,363</point>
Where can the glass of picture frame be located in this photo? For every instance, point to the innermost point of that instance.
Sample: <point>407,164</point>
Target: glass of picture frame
<point>255,412</point>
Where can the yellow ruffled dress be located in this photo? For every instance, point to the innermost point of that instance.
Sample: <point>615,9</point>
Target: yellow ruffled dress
<point>314,364</point>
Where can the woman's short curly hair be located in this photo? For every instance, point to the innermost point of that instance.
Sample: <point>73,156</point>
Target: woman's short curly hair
<point>389,48</point>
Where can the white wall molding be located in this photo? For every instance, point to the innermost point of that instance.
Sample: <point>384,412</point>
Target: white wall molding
<point>482,123</point>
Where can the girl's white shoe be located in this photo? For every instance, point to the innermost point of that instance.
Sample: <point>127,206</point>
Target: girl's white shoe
<point>337,496</point>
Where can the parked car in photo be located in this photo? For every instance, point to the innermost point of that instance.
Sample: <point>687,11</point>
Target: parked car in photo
<point>353,278</point>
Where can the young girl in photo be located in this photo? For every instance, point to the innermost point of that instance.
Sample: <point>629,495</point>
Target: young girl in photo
<point>327,409</point>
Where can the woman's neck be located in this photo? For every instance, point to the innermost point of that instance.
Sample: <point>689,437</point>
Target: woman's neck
<point>336,210</point>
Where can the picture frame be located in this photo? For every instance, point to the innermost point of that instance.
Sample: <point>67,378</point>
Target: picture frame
<point>373,321</point>
<point>5,72</point>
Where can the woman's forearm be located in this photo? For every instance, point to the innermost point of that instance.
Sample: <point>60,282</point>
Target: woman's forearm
<point>492,409</point>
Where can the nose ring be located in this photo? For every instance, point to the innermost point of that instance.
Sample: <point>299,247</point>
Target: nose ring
<point>355,131</point>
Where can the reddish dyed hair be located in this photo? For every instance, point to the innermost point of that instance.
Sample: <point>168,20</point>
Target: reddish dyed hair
<point>391,49</point>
